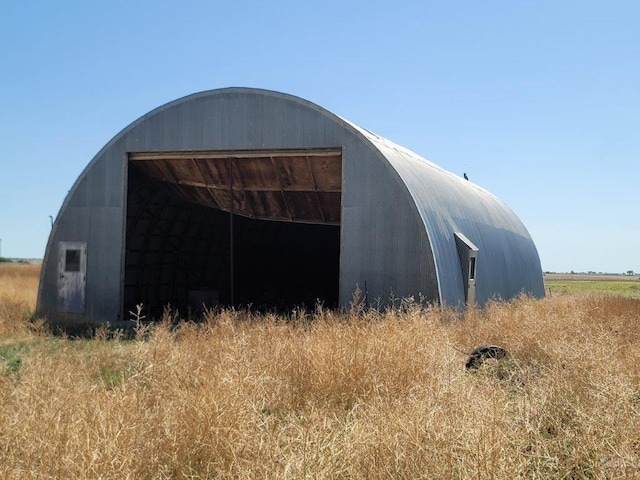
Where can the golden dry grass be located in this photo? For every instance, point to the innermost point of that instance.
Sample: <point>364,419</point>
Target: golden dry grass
<point>362,396</point>
<point>18,292</point>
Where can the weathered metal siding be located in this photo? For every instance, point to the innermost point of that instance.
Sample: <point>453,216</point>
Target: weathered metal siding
<point>385,249</point>
<point>383,241</point>
<point>507,262</point>
<point>92,213</point>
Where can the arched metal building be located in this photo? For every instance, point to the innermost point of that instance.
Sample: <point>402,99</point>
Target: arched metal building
<point>245,196</point>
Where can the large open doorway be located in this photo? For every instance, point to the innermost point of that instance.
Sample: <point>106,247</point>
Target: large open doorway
<point>242,228</point>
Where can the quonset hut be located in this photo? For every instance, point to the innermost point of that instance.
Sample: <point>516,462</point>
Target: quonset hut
<point>242,196</point>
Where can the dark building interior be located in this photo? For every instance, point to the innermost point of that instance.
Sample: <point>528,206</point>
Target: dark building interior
<point>179,250</point>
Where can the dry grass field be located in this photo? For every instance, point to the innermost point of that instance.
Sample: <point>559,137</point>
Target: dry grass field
<point>364,395</point>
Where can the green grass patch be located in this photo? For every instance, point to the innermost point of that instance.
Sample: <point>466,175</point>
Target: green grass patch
<point>111,375</point>
<point>623,289</point>
<point>11,357</point>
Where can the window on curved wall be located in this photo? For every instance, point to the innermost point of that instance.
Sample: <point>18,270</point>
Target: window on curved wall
<point>468,254</point>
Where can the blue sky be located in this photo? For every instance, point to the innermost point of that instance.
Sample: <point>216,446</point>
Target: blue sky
<point>537,101</point>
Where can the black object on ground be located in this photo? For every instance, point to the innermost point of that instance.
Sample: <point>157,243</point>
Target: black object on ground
<point>482,353</point>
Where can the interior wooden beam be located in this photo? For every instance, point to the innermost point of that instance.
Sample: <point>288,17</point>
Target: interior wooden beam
<point>235,154</point>
<point>250,188</point>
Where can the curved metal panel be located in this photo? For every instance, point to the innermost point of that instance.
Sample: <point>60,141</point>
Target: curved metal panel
<point>507,261</point>
<point>397,212</point>
<point>384,248</point>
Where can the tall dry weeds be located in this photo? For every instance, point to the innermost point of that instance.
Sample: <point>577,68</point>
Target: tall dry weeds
<point>18,292</point>
<point>324,395</point>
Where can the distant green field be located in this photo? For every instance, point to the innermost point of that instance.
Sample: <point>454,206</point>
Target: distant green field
<point>622,288</point>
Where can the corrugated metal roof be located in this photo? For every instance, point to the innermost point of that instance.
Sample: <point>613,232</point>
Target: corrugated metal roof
<point>448,203</point>
<point>397,212</point>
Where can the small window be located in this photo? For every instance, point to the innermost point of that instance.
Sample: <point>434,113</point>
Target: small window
<point>472,268</point>
<point>72,261</point>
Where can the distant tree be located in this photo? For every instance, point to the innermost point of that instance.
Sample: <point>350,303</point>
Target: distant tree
<point>630,272</point>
